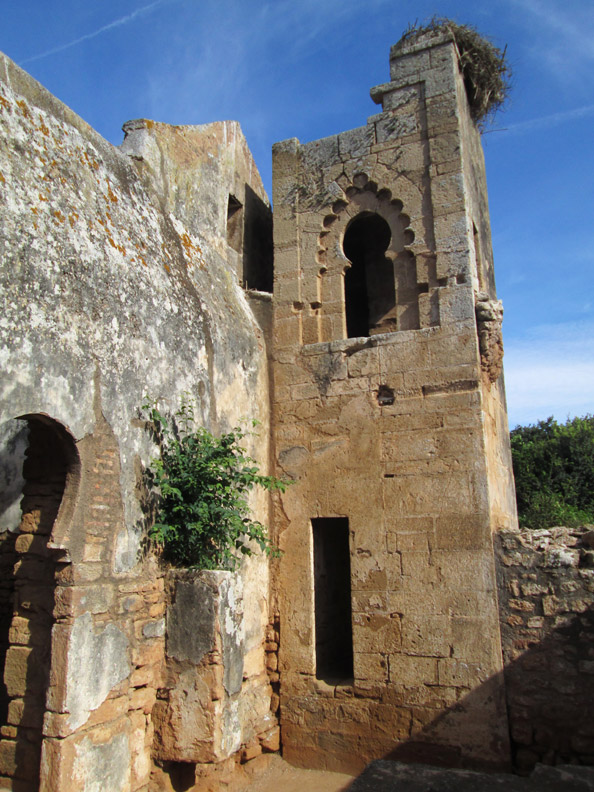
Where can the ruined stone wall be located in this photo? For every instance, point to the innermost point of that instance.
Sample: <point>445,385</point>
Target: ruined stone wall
<point>195,170</point>
<point>210,715</point>
<point>386,431</point>
<point>110,292</point>
<point>546,584</point>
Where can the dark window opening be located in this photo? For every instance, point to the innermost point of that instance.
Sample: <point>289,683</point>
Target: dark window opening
<point>332,585</point>
<point>234,223</point>
<point>369,291</point>
<point>257,244</point>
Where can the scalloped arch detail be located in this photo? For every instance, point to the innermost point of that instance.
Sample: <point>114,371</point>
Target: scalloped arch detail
<point>364,196</point>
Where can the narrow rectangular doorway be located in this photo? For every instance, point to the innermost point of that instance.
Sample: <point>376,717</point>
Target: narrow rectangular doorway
<point>332,586</point>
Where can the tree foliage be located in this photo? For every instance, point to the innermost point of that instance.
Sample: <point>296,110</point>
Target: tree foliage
<point>203,481</point>
<point>554,472</point>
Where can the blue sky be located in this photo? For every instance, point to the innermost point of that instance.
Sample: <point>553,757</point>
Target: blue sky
<point>303,68</point>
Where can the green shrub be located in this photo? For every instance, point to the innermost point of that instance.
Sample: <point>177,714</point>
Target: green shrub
<point>554,472</point>
<point>202,482</point>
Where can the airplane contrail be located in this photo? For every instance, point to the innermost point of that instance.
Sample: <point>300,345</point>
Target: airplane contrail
<point>116,23</point>
<point>548,121</point>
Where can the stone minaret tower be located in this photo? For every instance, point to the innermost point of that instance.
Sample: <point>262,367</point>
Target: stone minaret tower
<point>390,415</point>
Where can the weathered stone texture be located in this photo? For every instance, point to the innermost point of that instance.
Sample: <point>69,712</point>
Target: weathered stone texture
<point>106,653</point>
<point>389,431</point>
<point>113,286</point>
<point>209,705</point>
<point>546,583</point>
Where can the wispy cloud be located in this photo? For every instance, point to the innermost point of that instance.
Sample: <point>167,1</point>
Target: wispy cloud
<point>125,20</point>
<point>302,25</point>
<point>551,372</point>
<point>569,28</point>
<point>545,122</point>
<point>565,40</point>
<point>228,70</point>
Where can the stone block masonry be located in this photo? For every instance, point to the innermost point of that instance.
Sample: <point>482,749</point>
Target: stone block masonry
<point>546,583</point>
<point>205,713</point>
<point>211,713</point>
<point>389,416</point>
<point>28,605</point>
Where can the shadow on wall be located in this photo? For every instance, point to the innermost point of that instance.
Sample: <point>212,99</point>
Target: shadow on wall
<point>7,561</point>
<point>546,594</point>
<point>14,440</point>
<point>550,693</point>
<point>546,598</point>
<point>257,243</point>
<point>442,741</point>
<point>550,699</point>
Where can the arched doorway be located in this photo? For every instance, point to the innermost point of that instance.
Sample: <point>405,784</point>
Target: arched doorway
<point>46,455</point>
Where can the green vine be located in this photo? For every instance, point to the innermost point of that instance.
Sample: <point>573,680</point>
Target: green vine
<point>202,482</point>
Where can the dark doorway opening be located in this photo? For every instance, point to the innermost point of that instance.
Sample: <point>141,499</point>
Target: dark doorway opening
<point>27,599</point>
<point>369,291</point>
<point>332,582</point>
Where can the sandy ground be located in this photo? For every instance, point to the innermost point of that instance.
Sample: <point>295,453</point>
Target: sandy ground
<point>283,777</point>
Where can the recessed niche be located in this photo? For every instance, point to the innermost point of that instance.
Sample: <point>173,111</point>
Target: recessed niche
<point>369,283</point>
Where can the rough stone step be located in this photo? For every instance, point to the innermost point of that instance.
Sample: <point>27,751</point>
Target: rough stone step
<point>388,776</point>
<point>574,778</point>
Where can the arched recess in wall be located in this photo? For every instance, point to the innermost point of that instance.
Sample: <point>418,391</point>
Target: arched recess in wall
<point>369,292</point>
<point>364,256</point>
<point>39,458</point>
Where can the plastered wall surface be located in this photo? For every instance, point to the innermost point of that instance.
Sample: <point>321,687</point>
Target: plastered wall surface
<point>116,285</point>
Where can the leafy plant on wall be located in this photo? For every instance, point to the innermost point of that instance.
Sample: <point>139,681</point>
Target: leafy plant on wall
<point>202,482</point>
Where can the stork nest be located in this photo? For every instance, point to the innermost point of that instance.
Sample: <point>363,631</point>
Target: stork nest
<point>486,73</point>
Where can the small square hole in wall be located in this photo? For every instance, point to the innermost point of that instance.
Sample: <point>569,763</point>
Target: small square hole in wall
<point>385,396</point>
<point>182,775</point>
